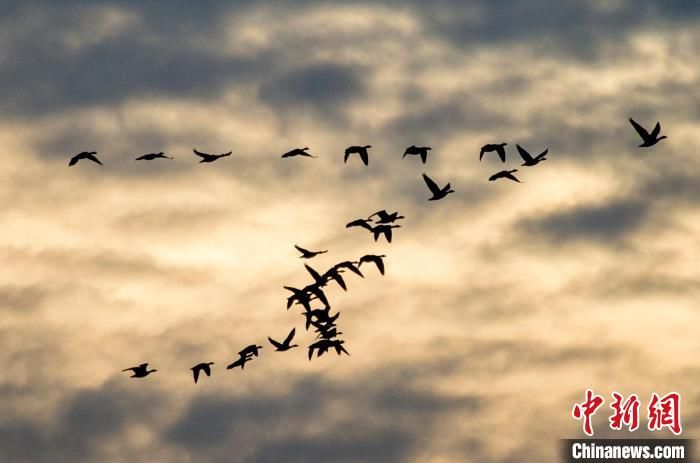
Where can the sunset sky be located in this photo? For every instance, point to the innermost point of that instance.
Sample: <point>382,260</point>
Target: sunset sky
<point>501,304</point>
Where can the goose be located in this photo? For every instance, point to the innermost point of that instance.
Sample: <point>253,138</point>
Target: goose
<point>361,150</point>
<point>204,366</point>
<point>499,148</point>
<point>505,174</point>
<point>84,155</point>
<point>152,156</point>
<point>649,139</point>
<point>140,371</point>
<point>421,151</point>
<point>286,344</point>
<point>306,254</point>
<point>529,160</point>
<point>298,152</point>
<point>438,193</point>
<point>206,157</point>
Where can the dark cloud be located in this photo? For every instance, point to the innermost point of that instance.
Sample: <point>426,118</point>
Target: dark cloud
<point>609,222</point>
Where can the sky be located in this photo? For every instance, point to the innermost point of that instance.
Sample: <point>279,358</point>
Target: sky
<point>501,303</point>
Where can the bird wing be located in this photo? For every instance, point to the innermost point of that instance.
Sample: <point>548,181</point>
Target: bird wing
<point>141,158</point>
<point>289,337</point>
<point>129,369</point>
<point>275,343</point>
<point>359,223</point>
<point>365,156</point>
<point>424,156</point>
<point>640,130</point>
<point>431,184</point>
<point>347,155</point>
<point>301,250</point>
<point>200,154</point>
<point>524,154</point>
<point>388,233</point>
<point>316,276</point>
<point>226,154</point>
<point>73,161</point>
<point>543,153</point>
<point>657,129</point>
<point>501,150</point>
<point>195,372</point>
<point>93,158</point>
<point>512,177</point>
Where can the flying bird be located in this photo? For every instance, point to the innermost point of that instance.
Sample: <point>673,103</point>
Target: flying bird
<point>251,350</point>
<point>505,174</point>
<point>376,260</point>
<point>352,266</point>
<point>204,366</point>
<point>306,254</point>
<point>421,151</point>
<point>240,362</point>
<point>206,157</point>
<point>152,156</point>
<point>84,155</point>
<point>140,371</point>
<point>324,345</point>
<point>286,344</point>
<point>385,217</point>
<point>529,160</point>
<point>499,148</point>
<point>361,150</point>
<point>384,230</point>
<point>650,139</point>
<point>298,152</point>
<point>438,193</point>
<point>364,223</point>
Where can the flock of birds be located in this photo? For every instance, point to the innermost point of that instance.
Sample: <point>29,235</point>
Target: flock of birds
<point>312,298</point>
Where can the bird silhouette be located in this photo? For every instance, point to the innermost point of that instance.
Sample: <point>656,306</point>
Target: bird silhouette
<point>306,254</point>
<point>305,296</point>
<point>286,344</point>
<point>84,155</point>
<point>364,223</point>
<point>375,259</point>
<point>250,350</point>
<point>650,139</point>
<point>497,147</point>
<point>140,371</point>
<point>152,156</point>
<point>210,157</point>
<point>438,193</point>
<point>240,362</point>
<point>529,160</point>
<point>205,367</point>
<point>328,331</point>
<point>421,151</point>
<point>298,152</point>
<point>384,230</point>
<point>505,174</point>
<point>361,150</point>
<point>352,266</point>
<point>324,345</point>
<point>385,217</point>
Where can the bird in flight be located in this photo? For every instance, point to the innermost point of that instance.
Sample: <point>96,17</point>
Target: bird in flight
<point>376,260</point>
<point>650,139</point>
<point>364,223</point>
<point>286,344</point>
<point>438,193</point>
<point>84,155</point>
<point>324,345</point>
<point>385,230</point>
<point>421,151</point>
<point>251,350</point>
<point>204,366</point>
<point>529,160</point>
<point>385,217</point>
<point>497,147</point>
<point>505,174</point>
<point>298,152</point>
<point>306,254</point>
<point>140,371</point>
<point>240,362</point>
<point>210,157</point>
<point>361,150</point>
<point>152,156</point>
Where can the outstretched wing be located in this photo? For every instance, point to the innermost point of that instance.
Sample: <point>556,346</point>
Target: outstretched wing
<point>274,343</point>
<point>640,130</point>
<point>424,155</point>
<point>200,154</point>
<point>301,250</point>
<point>431,185</point>
<point>316,276</point>
<point>290,336</point>
<point>543,154</point>
<point>501,150</point>
<point>657,129</point>
<point>365,156</point>
<point>195,372</point>
<point>524,154</point>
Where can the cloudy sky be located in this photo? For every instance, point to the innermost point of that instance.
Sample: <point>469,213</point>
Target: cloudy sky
<point>501,304</point>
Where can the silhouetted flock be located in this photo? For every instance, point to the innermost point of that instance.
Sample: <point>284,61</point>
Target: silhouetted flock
<point>312,298</point>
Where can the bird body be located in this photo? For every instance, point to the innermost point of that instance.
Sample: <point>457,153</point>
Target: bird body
<point>528,159</point>
<point>152,156</point>
<point>201,367</point>
<point>206,157</point>
<point>499,148</point>
<point>361,150</point>
<point>421,151</point>
<point>298,152</point>
<point>286,344</point>
<point>140,371</point>
<point>649,139</point>
<point>438,193</point>
<point>505,174</point>
<point>90,155</point>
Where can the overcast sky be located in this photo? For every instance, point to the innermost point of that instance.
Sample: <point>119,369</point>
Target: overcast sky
<point>501,304</point>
